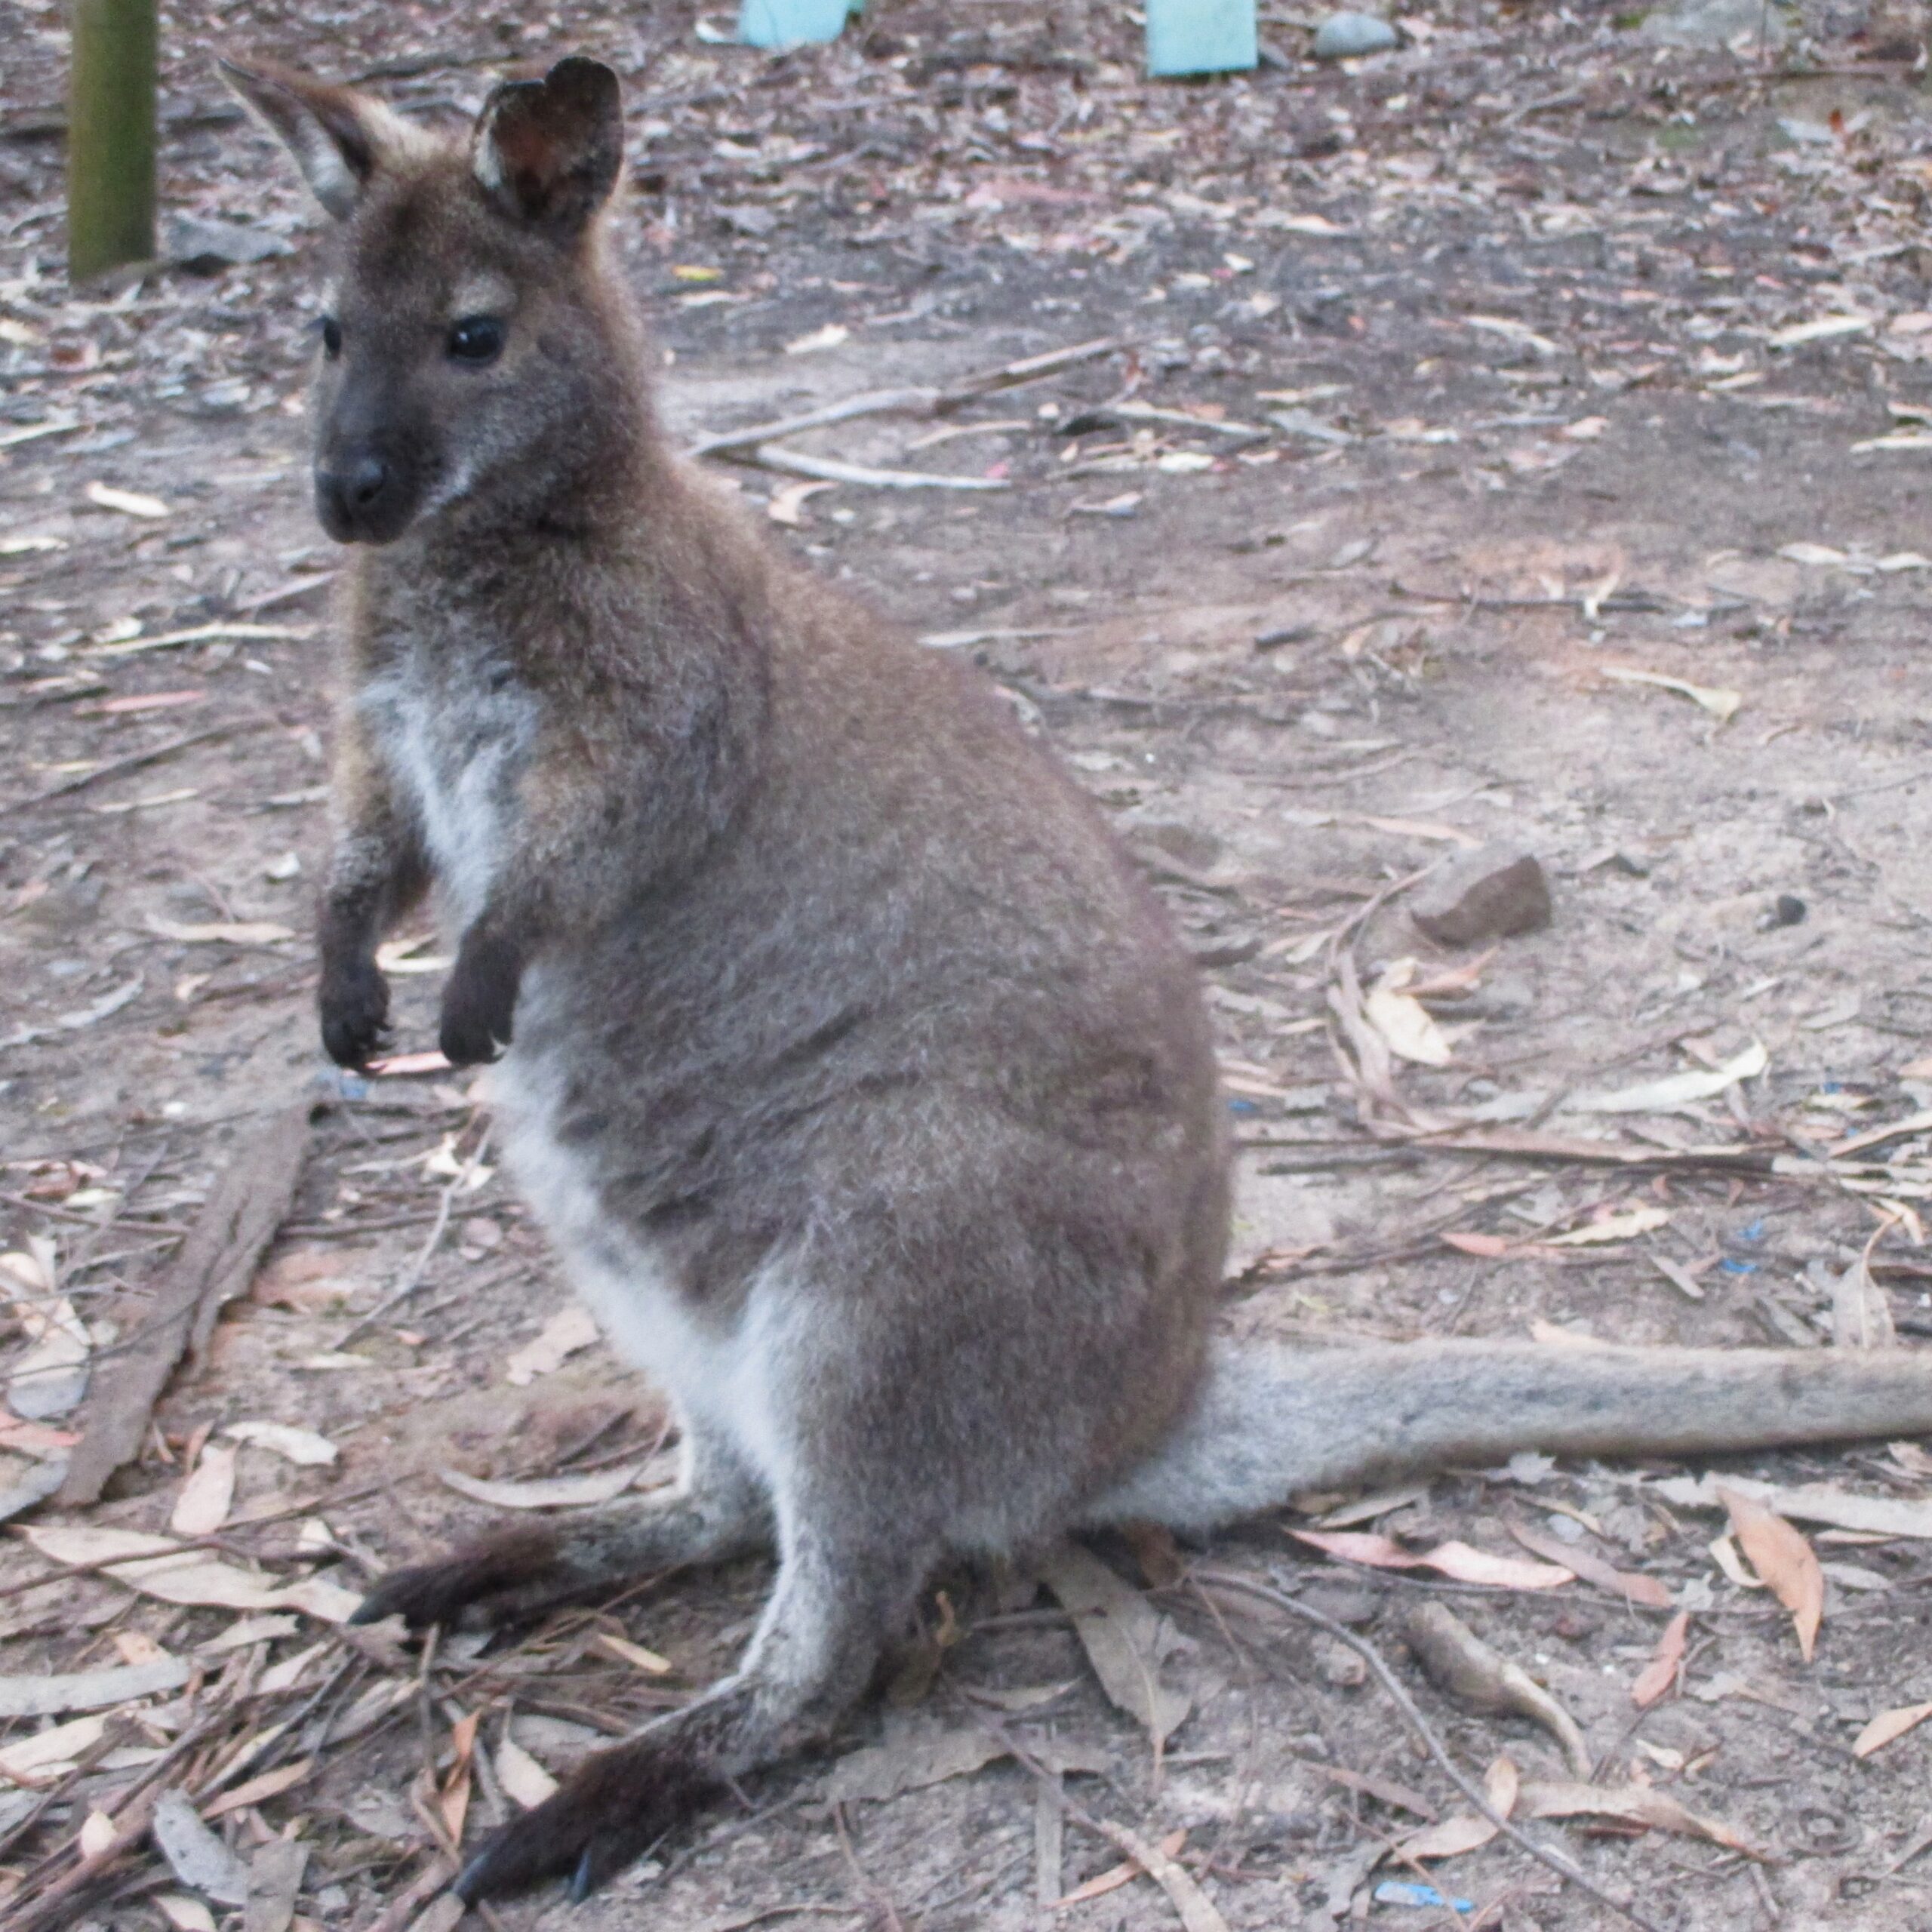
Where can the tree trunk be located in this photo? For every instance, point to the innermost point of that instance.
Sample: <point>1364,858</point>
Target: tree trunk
<point>111,137</point>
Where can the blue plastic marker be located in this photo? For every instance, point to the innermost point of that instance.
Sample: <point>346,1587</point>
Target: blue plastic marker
<point>792,23</point>
<point>1198,36</point>
<point>1400,1891</point>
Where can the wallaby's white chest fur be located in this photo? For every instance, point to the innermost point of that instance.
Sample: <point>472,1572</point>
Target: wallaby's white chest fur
<point>456,746</point>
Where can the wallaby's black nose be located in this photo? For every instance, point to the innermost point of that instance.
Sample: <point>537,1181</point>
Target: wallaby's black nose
<point>361,498</point>
<point>368,477</point>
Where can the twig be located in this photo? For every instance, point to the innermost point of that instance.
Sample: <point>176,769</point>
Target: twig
<point>1557,1862</point>
<point>197,634</point>
<point>222,1539</point>
<point>1198,1911</point>
<point>920,401</point>
<point>796,463</point>
<point>132,762</point>
<point>411,1277</point>
<point>424,1887</point>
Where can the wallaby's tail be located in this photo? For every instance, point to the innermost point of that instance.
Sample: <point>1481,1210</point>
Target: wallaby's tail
<point>1272,1421</point>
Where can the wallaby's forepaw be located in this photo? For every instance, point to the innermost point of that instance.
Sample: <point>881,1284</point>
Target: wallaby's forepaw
<point>480,1001</point>
<point>618,1804</point>
<point>506,1576</point>
<point>354,1007</point>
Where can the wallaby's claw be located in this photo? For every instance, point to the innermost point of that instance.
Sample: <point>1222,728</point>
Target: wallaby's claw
<point>442,1593</point>
<point>618,1804</point>
<point>479,1003</point>
<point>354,1008</point>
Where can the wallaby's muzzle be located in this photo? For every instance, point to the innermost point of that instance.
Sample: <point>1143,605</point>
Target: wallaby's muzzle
<point>363,495</point>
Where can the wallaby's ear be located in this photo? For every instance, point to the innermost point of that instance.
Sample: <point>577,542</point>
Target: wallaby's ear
<point>338,138</point>
<point>548,152</point>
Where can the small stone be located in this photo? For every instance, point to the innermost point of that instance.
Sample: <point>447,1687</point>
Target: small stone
<point>1786,909</point>
<point>748,219</point>
<point>1339,1666</point>
<point>1342,36</point>
<point>207,247</point>
<point>1495,891</point>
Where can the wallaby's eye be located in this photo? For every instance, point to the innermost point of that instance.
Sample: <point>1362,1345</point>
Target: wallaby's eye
<point>475,338</point>
<point>331,337</point>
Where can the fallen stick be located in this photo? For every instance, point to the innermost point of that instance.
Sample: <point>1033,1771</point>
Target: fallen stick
<point>411,1277</point>
<point>214,1264</point>
<point>133,762</point>
<point>830,470</point>
<point>922,400</point>
<point>196,634</point>
<point>424,1887</point>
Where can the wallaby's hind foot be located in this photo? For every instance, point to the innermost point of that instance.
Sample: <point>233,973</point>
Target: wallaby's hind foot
<point>841,1594</point>
<point>515,1575</point>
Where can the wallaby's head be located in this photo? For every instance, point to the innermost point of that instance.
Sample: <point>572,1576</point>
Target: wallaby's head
<point>473,348</point>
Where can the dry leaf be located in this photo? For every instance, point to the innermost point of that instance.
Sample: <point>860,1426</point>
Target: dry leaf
<point>50,1754</point>
<point>206,1497</point>
<point>830,336</point>
<point>915,1751</point>
<point>788,502</point>
<point>1888,1725</point>
<point>567,1331</point>
<point>158,1567</point>
<point>1628,1583</point>
<point>90,1690</point>
<point>1861,1313</point>
<point>1659,1675</point>
<point>259,1791</point>
<point>635,1655</point>
<point>1816,1503</point>
<point>303,1446</point>
<point>1634,1804</point>
<point>1463,1831</point>
<point>1385,1789</point>
<point>453,1802</point>
<point>1119,1630</point>
<point>129,502</point>
<point>1721,704</point>
<point>526,1781</point>
<point>1487,1248</point>
<point>1780,1555</point>
<point>1467,1831</point>
<point>548,1492</point>
<point>185,1914</point>
<point>195,1855</point>
<point>1678,1090</point>
<point>1452,1559</point>
<point>258,932</point>
<point>1406,1024</point>
<point>51,1377</point>
<point>1624,1227</point>
<point>1115,1876</point>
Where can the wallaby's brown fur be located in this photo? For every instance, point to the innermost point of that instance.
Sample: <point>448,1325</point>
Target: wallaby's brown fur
<point>861,1082</point>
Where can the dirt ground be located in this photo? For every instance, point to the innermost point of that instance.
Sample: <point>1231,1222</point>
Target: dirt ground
<point>1442,391</point>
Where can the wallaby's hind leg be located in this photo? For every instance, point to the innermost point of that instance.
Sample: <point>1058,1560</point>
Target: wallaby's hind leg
<point>840,1595</point>
<point>718,1511</point>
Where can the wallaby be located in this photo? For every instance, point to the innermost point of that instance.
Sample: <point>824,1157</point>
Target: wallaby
<point>861,1082</point>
